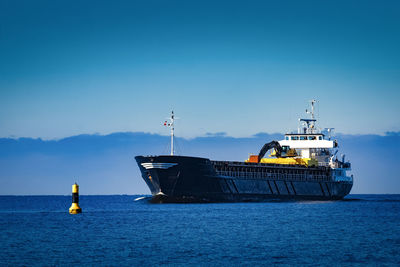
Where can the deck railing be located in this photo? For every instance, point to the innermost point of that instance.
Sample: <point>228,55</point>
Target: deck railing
<point>275,176</point>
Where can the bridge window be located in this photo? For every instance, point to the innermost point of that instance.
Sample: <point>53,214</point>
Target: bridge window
<point>312,138</point>
<point>303,137</point>
<point>320,138</point>
<point>295,138</point>
<point>287,137</point>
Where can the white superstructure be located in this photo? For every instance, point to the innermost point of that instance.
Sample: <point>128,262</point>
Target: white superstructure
<point>310,142</point>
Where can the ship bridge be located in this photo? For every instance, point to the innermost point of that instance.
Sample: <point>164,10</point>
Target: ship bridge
<point>309,141</point>
<point>301,141</point>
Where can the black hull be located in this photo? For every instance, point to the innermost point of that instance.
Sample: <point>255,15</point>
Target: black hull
<point>179,179</point>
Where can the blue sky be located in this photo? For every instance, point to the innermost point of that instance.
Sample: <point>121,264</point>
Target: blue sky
<point>240,67</point>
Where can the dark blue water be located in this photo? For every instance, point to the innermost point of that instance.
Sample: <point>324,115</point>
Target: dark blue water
<point>116,230</point>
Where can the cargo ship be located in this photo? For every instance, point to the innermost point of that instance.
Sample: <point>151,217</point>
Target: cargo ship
<point>302,166</point>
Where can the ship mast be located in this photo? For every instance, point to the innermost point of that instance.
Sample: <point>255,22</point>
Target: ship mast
<point>312,109</point>
<point>171,124</point>
<point>172,132</point>
<point>309,123</point>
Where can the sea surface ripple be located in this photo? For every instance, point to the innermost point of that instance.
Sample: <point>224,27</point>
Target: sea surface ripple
<point>117,230</point>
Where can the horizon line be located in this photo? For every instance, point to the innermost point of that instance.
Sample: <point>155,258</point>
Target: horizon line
<point>206,135</point>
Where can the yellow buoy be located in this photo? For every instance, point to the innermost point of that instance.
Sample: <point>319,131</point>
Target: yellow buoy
<point>75,209</point>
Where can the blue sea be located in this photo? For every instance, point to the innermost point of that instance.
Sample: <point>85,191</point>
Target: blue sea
<point>117,230</point>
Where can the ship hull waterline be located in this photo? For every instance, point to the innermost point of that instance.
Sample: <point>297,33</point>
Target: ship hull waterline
<point>181,179</point>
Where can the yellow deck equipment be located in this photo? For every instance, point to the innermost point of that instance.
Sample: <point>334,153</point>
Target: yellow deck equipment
<point>287,161</point>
